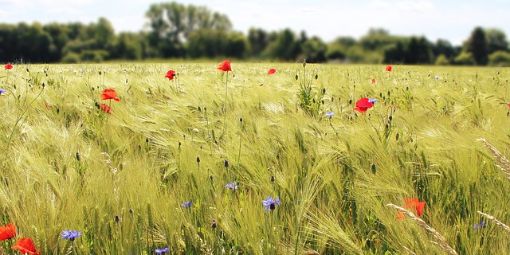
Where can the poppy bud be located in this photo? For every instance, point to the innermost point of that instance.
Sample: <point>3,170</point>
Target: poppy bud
<point>100,73</point>
<point>179,145</point>
<point>146,140</point>
<point>199,109</point>
<point>116,219</point>
<point>390,118</point>
<point>225,163</point>
<point>78,156</point>
<point>28,70</point>
<point>397,136</point>
<point>198,160</point>
<point>272,178</point>
<point>214,224</point>
<point>374,168</point>
<point>316,76</point>
<point>131,211</point>
<point>241,120</point>
<point>323,91</point>
<point>58,110</point>
<point>350,101</point>
<point>297,77</point>
<point>205,109</point>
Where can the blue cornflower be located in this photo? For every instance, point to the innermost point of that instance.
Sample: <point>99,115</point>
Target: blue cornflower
<point>480,225</point>
<point>330,114</point>
<point>231,186</point>
<point>3,92</point>
<point>372,100</point>
<point>187,204</point>
<point>270,204</point>
<point>161,251</point>
<point>70,234</point>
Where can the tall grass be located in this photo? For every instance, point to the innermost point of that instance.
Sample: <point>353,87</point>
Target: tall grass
<point>121,178</point>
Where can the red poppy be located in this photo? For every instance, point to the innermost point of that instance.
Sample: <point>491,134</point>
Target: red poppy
<point>7,232</point>
<point>389,68</point>
<point>225,66</point>
<point>363,105</point>
<point>8,66</point>
<point>373,81</point>
<point>25,246</point>
<point>508,105</point>
<point>109,94</point>
<point>170,75</point>
<point>414,205</point>
<point>105,108</point>
<point>271,71</point>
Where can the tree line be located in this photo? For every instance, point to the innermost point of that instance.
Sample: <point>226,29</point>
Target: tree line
<point>175,30</point>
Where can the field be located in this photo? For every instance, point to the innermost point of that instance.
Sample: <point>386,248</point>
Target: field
<point>187,163</point>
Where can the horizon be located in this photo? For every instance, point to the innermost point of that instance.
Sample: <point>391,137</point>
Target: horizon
<point>422,17</point>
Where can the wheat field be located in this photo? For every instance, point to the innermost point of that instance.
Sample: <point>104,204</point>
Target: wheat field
<point>187,163</point>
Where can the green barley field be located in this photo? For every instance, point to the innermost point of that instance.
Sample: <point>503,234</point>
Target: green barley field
<point>187,163</point>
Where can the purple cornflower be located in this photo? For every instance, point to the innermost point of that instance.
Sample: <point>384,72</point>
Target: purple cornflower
<point>70,234</point>
<point>270,204</point>
<point>231,186</point>
<point>2,92</point>
<point>330,114</point>
<point>372,100</point>
<point>480,225</point>
<point>187,204</point>
<point>161,251</point>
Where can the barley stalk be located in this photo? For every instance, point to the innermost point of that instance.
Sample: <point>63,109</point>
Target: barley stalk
<point>499,223</point>
<point>501,161</point>
<point>441,241</point>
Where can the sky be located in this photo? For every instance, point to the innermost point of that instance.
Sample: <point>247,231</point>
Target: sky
<point>447,19</point>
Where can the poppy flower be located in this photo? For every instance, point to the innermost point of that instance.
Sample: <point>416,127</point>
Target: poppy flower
<point>270,203</point>
<point>2,92</point>
<point>389,68</point>
<point>480,225</point>
<point>508,105</point>
<point>170,75</point>
<point>109,94</point>
<point>363,104</point>
<point>414,205</point>
<point>105,108</point>
<point>25,246</point>
<point>225,66</point>
<point>8,66</point>
<point>271,71</point>
<point>7,232</point>
<point>330,114</point>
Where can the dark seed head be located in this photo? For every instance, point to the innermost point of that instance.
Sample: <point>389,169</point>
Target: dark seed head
<point>272,178</point>
<point>78,156</point>
<point>198,160</point>
<point>272,206</point>
<point>116,219</point>
<point>225,163</point>
<point>214,224</point>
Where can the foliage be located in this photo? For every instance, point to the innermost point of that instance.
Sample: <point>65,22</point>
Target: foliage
<point>121,178</point>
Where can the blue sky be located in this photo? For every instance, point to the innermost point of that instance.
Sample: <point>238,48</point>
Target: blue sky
<point>449,19</point>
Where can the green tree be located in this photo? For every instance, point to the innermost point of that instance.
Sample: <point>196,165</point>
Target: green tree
<point>258,39</point>
<point>477,46</point>
<point>285,46</point>
<point>496,40</point>
<point>499,58</point>
<point>171,24</point>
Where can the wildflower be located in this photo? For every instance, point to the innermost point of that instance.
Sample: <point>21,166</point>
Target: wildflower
<point>231,186</point>
<point>270,204</point>
<point>271,71</point>
<point>225,66</point>
<point>480,225</point>
<point>161,251</point>
<point>373,81</point>
<point>25,246</point>
<point>8,66</point>
<point>3,92</point>
<point>372,100</point>
<point>389,68</point>
<point>105,108</point>
<point>7,232</point>
<point>109,94</point>
<point>508,105</point>
<point>187,204</point>
<point>214,224</point>
<point>70,234</point>
<point>330,114</point>
<point>170,75</point>
<point>363,104</point>
<point>414,205</point>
